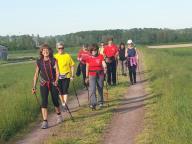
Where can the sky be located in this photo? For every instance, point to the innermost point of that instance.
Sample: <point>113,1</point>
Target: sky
<point>58,17</point>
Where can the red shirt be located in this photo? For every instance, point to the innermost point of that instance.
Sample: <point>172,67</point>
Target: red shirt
<point>110,51</point>
<point>83,56</point>
<point>95,64</point>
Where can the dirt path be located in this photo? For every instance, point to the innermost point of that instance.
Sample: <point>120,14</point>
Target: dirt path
<point>37,135</point>
<point>171,46</point>
<point>128,119</point>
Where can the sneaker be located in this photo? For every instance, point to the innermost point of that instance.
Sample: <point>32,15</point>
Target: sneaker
<point>132,83</point>
<point>59,119</point>
<point>93,107</point>
<point>100,105</point>
<point>44,125</point>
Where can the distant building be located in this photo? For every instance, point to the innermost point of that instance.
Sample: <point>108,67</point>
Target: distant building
<point>3,53</point>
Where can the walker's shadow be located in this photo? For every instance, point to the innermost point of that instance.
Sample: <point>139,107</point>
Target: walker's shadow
<point>127,105</point>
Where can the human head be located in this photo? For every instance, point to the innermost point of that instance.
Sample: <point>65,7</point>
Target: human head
<point>45,51</point>
<point>60,47</point>
<point>94,49</point>
<point>130,43</point>
<point>110,40</point>
<point>86,47</point>
<point>102,44</point>
<point>122,45</point>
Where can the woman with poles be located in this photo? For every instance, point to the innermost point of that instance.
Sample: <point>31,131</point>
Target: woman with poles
<point>47,68</point>
<point>95,70</point>
<point>66,72</point>
<point>132,58</point>
<point>111,54</point>
<point>83,55</point>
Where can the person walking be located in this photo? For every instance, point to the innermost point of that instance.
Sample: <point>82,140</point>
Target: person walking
<point>66,72</point>
<point>111,54</point>
<point>122,59</point>
<point>132,58</point>
<point>47,68</point>
<point>96,69</point>
<point>101,48</point>
<point>83,55</point>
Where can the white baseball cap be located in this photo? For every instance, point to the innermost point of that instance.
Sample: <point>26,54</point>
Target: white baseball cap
<point>129,41</point>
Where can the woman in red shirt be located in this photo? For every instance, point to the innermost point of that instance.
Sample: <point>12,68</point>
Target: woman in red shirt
<point>111,54</point>
<point>95,71</point>
<point>83,55</point>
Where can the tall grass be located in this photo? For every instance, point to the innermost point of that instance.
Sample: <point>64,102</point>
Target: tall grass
<point>18,106</point>
<point>169,120</point>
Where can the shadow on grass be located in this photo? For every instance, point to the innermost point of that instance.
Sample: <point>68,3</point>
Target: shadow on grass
<point>126,105</point>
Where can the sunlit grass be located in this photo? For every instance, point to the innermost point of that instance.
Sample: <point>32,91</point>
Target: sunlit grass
<point>168,121</point>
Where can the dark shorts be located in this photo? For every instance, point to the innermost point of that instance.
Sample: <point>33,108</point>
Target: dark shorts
<point>44,90</point>
<point>64,86</point>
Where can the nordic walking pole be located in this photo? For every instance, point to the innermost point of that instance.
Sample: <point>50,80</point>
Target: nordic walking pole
<point>107,92</point>
<point>117,71</point>
<point>88,95</point>
<point>75,93</point>
<point>66,105</point>
<point>38,102</point>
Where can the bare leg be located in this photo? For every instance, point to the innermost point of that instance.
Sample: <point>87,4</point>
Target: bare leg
<point>44,113</point>
<point>57,110</point>
<point>63,99</point>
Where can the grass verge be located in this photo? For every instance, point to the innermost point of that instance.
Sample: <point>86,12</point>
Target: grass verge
<point>168,120</point>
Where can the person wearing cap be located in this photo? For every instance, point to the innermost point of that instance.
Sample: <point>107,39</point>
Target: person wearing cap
<point>66,72</point>
<point>132,57</point>
<point>82,56</point>
<point>111,54</point>
<point>122,58</point>
<point>96,69</point>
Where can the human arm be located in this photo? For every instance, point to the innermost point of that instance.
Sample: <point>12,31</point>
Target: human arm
<point>35,78</point>
<point>104,67</point>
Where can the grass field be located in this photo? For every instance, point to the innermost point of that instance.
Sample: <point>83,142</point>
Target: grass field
<point>18,107</point>
<point>168,120</point>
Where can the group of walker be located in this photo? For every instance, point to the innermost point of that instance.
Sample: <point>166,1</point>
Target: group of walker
<point>96,65</point>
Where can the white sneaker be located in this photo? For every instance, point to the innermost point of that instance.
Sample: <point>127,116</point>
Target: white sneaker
<point>59,119</point>
<point>44,125</point>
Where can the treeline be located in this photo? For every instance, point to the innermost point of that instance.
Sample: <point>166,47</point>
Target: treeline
<point>140,36</point>
<point>25,42</point>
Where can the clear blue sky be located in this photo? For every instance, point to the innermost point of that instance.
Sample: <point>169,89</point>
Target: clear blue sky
<point>53,17</point>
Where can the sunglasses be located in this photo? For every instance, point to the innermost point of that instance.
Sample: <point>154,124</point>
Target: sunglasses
<point>60,48</point>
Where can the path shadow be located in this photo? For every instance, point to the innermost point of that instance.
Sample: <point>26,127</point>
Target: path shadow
<point>132,104</point>
<point>132,108</point>
<point>144,72</point>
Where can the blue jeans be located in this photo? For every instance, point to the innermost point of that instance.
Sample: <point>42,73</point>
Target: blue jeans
<point>96,81</point>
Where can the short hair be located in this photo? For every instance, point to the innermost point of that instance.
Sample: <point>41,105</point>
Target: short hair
<point>60,43</point>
